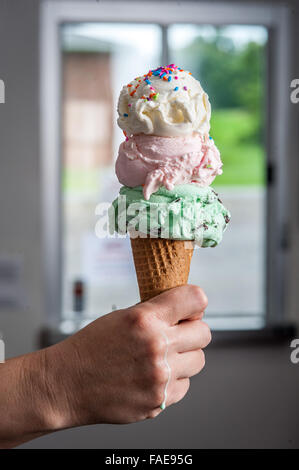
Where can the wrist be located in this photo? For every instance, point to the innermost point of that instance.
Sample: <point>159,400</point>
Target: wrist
<point>51,377</point>
<point>37,390</point>
<point>34,396</point>
<point>23,397</point>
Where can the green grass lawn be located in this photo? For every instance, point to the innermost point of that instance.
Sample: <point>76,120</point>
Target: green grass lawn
<point>233,132</point>
<point>242,155</point>
<point>80,181</point>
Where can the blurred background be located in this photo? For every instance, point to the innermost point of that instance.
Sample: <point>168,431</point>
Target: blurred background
<point>230,61</point>
<point>63,64</point>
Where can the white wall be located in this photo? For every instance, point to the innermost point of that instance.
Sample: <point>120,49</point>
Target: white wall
<point>293,306</point>
<point>19,165</point>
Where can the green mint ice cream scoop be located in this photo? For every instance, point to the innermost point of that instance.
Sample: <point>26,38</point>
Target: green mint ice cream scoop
<point>188,212</point>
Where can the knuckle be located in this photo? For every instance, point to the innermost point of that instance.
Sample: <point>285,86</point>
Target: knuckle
<point>139,319</point>
<point>153,413</point>
<point>157,378</point>
<point>201,297</point>
<point>206,333</point>
<point>182,391</point>
<point>202,360</point>
<point>187,386</point>
<point>157,396</point>
<point>198,363</point>
<point>155,348</point>
<point>158,374</point>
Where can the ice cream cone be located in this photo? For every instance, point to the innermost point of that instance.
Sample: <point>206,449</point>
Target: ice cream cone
<point>160,264</point>
<point>166,166</point>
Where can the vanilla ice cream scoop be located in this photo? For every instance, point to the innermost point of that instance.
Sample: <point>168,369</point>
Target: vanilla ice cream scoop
<point>165,102</point>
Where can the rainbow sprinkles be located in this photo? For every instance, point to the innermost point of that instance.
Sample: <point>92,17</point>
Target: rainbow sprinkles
<point>164,73</point>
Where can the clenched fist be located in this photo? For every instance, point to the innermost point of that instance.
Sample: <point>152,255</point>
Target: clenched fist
<point>114,370</point>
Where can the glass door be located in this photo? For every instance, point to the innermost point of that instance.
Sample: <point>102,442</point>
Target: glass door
<point>230,62</point>
<point>97,60</point>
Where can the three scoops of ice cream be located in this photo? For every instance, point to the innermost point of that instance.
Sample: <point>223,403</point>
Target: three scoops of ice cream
<point>166,165</point>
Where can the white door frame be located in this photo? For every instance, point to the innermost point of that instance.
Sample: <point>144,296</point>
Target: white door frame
<point>275,18</point>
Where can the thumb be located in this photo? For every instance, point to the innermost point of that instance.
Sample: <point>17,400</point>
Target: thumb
<point>180,303</point>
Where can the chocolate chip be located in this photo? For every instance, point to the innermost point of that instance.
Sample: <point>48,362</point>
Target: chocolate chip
<point>200,226</point>
<point>227,219</point>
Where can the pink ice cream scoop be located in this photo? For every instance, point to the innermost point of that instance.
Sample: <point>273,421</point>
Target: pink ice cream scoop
<point>155,161</point>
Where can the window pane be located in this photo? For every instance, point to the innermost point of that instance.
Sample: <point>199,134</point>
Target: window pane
<point>230,64</point>
<point>97,60</point>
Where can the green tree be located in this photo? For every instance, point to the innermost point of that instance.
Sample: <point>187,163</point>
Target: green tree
<point>233,77</point>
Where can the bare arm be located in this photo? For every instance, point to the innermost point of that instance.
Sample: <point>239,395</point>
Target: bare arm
<point>22,399</point>
<point>112,371</point>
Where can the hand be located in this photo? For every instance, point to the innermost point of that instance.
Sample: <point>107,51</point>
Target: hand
<point>113,371</point>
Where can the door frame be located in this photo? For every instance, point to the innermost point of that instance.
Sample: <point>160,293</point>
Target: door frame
<point>277,21</point>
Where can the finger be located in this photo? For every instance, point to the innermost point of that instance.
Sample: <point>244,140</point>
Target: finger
<point>179,303</point>
<point>177,391</point>
<point>199,316</point>
<point>187,364</point>
<point>189,335</point>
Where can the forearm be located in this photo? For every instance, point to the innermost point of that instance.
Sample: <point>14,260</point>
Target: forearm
<point>26,410</point>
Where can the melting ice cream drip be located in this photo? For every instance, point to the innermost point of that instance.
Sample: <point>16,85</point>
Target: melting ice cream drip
<point>163,405</point>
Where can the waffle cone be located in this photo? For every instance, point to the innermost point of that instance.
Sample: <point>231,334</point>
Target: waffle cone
<point>160,264</point>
